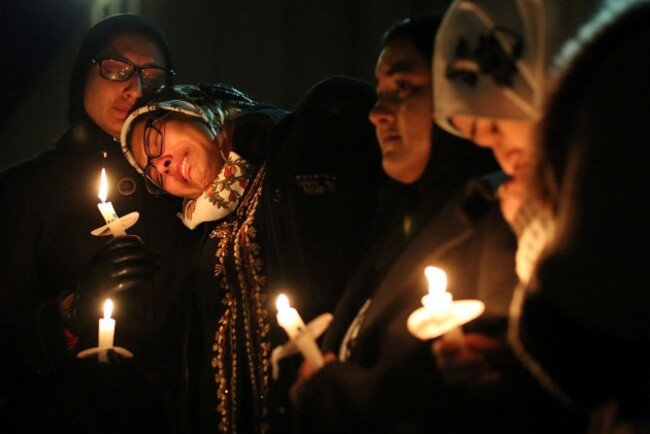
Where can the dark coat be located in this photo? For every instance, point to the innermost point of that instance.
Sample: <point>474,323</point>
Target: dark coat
<point>298,229</point>
<point>389,381</point>
<point>50,209</point>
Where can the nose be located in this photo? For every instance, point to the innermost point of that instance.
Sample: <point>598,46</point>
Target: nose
<point>133,87</point>
<point>162,164</point>
<point>382,112</point>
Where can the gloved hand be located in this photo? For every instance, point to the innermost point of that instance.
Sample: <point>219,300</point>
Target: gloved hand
<point>121,269</point>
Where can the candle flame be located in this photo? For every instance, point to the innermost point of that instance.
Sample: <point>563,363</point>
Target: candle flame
<point>282,303</point>
<point>108,308</point>
<point>103,186</point>
<point>437,279</point>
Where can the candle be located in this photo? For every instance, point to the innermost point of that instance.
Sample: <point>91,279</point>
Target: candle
<point>440,314</point>
<point>292,323</point>
<point>106,330</point>
<point>438,303</point>
<point>106,208</point>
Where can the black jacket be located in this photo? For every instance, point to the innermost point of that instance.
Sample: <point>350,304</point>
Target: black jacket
<point>298,229</point>
<point>50,207</point>
<point>389,382</point>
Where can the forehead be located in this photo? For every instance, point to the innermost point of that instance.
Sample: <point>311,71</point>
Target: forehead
<point>401,56</point>
<point>136,47</point>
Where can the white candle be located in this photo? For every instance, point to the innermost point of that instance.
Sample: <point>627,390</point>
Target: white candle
<point>438,302</point>
<point>106,208</point>
<point>106,329</point>
<point>292,323</point>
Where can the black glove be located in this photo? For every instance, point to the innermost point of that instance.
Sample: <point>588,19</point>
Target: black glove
<point>121,270</point>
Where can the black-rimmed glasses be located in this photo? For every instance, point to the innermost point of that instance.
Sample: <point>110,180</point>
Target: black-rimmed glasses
<point>153,140</point>
<point>152,77</point>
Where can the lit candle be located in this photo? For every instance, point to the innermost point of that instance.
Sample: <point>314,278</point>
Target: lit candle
<point>292,323</point>
<point>438,303</point>
<point>106,208</point>
<point>106,330</point>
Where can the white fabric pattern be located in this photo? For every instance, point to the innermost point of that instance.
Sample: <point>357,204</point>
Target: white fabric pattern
<point>222,196</point>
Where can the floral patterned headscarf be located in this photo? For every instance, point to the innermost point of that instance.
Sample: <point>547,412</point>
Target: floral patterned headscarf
<point>213,104</point>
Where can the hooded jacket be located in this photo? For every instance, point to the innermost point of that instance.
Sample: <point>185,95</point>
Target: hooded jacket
<point>49,209</point>
<point>298,228</point>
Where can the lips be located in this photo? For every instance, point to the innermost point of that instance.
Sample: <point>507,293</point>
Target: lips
<point>388,142</point>
<point>390,137</point>
<point>124,109</point>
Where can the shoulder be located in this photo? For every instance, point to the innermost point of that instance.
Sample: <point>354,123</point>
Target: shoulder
<point>338,95</point>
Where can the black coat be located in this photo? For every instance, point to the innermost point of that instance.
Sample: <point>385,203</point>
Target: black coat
<point>298,229</point>
<point>49,209</point>
<point>388,382</point>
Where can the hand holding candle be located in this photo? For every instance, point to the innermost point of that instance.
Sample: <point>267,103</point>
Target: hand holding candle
<point>290,321</point>
<point>440,315</point>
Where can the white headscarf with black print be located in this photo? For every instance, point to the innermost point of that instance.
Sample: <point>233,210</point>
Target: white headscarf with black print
<point>212,104</point>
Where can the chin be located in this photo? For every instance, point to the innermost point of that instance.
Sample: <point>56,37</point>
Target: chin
<point>399,173</point>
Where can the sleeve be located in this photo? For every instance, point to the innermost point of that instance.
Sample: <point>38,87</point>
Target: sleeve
<point>31,336</point>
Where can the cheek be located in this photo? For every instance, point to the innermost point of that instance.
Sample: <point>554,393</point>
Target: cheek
<point>416,129</point>
<point>177,189</point>
<point>94,95</point>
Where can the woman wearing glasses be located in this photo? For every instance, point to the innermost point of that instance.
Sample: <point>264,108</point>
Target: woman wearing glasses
<point>49,209</point>
<point>284,201</point>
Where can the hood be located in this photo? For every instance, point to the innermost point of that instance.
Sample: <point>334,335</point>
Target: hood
<point>493,58</point>
<point>95,40</point>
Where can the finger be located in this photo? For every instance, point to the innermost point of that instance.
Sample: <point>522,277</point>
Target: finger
<point>119,243</point>
<point>133,269</point>
<point>490,377</point>
<point>126,256</point>
<point>125,247</point>
<point>130,284</point>
<point>467,374</point>
<point>444,348</point>
<point>479,342</point>
<point>460,361</point>
<point>113,358</point>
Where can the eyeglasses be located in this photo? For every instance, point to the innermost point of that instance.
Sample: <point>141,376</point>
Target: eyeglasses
<point>152,77</point>
<point>153,140</point>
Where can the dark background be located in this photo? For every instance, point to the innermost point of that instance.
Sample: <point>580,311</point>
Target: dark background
<point>274,50</point>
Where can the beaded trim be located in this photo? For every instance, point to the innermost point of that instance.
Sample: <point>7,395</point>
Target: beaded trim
<point>244,301</point>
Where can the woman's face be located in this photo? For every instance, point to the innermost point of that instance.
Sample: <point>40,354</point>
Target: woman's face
<point>402,114</point>
<point>190,159</point>
<point>512,143</point>
<point>108,103</point>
